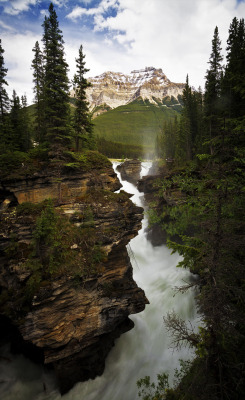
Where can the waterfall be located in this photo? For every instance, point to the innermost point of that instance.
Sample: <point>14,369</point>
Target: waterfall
<point>145,350</point>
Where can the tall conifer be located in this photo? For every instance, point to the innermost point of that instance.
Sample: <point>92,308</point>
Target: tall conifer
<point>26,124</point>
<point>16,140</point>
<point>213,77</point>
<point>4,99</point>
<point>186,126</point>
<point>212,94</point>
<point>38,79</point>
<point>234,77</point>
<point>56,84</point>
<point>82,124</point>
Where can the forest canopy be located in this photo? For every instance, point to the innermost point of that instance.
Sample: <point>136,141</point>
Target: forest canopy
<point>206,224</point>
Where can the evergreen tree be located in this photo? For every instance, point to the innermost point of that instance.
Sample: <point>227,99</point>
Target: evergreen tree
<point>180,148</point>
<point>213,77</point>
<point>38,79</point>
<point>182,138</point>
<point>81,123</point>
<point>200,126</point>
<point>190,130</point>
<point>16,140</point>
<point>19,130</point>
<point>212,212</point>
<point>56,85</point>
<point>4,100</point>
<point>212,94</point>
<point>26,124</point>
<point>234,77</point>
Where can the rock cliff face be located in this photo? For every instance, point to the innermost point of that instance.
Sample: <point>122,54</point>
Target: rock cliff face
<point>115,89</point>
<point>130,171</point>
<point>42,185</point>
<point>148,185</point>
<point>71,322</point>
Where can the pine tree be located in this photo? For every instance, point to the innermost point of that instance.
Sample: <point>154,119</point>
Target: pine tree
<point>213,77</point>
<point>25,123</point>
<point>200,126</point>
<point>38,79</point>
<point>188,123</point>
<point>56,85</point>
<point>19,129</point>
<point>234,77</point>
<point>212,94</point>
<point>212,211</point>
<point>81,123</point>
<point>4,100</point>
<point>16,140</point>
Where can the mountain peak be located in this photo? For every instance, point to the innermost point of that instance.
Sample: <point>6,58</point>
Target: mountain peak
<point>115,89</point>
<point>149,74</point>
<point>147,69</point>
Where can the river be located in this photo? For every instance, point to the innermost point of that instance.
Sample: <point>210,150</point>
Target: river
<point>145,350</point>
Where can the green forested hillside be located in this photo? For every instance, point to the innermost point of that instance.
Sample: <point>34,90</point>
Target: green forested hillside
<point>205,182</point>
<point>137,123</point>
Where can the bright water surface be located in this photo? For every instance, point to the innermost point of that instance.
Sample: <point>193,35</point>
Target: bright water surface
<point>142,351</point>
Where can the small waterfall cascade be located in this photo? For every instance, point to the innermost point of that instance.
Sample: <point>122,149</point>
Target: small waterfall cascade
<point>145,350</point>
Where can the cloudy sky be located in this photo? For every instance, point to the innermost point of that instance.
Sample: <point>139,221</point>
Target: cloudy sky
<point>118,35</point>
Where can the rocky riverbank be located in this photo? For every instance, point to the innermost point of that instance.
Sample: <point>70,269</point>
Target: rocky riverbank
<point>130,171</point>
<point>70,319</point>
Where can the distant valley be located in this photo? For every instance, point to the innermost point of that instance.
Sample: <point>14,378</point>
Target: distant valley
<point>130,110</point>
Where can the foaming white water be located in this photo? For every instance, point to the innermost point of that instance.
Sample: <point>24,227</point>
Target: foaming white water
<point>142,351</point>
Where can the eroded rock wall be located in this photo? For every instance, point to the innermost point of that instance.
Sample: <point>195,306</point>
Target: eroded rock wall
<point>130,171</point>
<point>115,89</point>
<point>73,323</point>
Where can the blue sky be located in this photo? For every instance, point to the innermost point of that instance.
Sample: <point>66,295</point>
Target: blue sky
<point>118,35</point>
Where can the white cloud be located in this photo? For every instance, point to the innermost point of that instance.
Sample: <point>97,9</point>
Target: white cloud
<point>175,35</point>
<point>86,1</point>
<point>103,7</point>
<point>44,12</point>
<point>17,6</point>
<point>77,12</point>
<point>18,56</point>
<point>60,3</point>
<point>5,26</point>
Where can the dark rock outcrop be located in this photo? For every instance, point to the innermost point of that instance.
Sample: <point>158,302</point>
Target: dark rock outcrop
<point>71,323</point>
<point>149,186</point>
<point>172,196</point>
<point>130,171</point>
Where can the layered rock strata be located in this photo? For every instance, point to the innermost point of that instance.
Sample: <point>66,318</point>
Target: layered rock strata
<point>44,184</point>
<point>71,323</point>
<point>130,170</point>
<point>114,89</point>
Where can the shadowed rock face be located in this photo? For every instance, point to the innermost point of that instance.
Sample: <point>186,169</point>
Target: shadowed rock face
<point>130,171</point>
<point>148,185</point>
<point>73,326</point>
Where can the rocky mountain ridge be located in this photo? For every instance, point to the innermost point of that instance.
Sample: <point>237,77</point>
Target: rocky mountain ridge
<point>114,89</point>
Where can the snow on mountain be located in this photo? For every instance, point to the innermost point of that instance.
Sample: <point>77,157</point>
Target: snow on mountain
<point>115,88</point>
